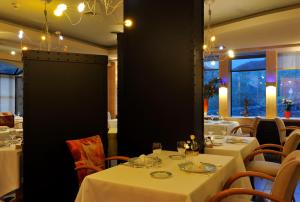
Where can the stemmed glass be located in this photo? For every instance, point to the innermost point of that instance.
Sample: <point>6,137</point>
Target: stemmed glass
<point>156,148</point>
<point>181,147</point>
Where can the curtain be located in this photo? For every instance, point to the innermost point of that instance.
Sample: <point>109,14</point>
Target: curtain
<point>7,93</point>
<point>290,60</point>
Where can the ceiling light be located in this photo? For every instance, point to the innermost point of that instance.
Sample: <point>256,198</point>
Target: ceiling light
<point>212,38</point>
<point>61,37</point>
<point>204,47</point>
<point>61,7</point>
<point>128,23</point>
<point>231,54</point>
<point>58,12</point>
<point>24,48</point>
<point>21,34</point>
<point>43,37</point>
<point>221,48</point>
<point>81,7</point>
<point>13,52</point>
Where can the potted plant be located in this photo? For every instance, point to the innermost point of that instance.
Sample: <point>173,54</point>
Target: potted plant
<point>209,90</point>
<point>287,107</point>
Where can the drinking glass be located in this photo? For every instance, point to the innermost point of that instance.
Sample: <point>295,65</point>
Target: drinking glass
<point>156,148</point>
<point>181,147</point>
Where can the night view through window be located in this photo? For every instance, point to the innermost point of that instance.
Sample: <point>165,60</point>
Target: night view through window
<point>211,71</point>
<point>248,92</point>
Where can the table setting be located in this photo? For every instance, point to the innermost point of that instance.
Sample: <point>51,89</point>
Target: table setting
<point>183,175</point>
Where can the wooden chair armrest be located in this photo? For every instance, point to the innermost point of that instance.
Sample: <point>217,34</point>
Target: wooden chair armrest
<point>94,168</point>
<point>238,191</point>
<point>261,151</point>
<point>123,158</point>
<point>237,176</point>
<point>269,145</point>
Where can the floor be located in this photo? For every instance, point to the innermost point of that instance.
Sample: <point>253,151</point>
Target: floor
<point>266,186</point>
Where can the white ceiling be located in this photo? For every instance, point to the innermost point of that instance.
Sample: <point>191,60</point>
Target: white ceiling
<point>94,29</point>
<point>232,27</point>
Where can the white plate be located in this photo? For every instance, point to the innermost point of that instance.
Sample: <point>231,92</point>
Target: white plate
<point>161,174</point>
<point>192,168</point>
<point>176,157</point>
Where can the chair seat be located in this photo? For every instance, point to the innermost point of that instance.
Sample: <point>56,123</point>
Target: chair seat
<point>266,167</point>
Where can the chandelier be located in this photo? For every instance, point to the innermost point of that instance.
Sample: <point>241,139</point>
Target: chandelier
<point>212,51</point>
<point>87,7</point>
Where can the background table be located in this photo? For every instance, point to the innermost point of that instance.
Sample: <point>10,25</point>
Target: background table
<point>9,170</point>
<point>217,127</point>
<point>124,183</point>
<point>239,151</point>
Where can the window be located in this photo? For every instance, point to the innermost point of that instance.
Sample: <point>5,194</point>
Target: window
<point>288,77</point>
<point>211,71</point>
<point>248,86</point>
<point>7,93</point>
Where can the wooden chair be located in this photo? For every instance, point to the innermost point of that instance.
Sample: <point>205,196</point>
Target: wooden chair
<point>251,128</point>
<point>282,129</point>
<point>267,167</point>
<point>283,187</point>
<point>88,155</point>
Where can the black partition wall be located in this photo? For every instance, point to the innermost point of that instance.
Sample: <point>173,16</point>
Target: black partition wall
<point>160,74</point>
<point>65,97</point>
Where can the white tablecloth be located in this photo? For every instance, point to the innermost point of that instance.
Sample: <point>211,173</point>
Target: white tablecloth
<point>126,184</point>
<point>217,127</point>
<point>9,170</point>
<point>239,151</point>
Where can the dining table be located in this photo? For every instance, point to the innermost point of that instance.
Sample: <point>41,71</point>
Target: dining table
<point>10,159</point>
<point>127,183</point>
<point>220,127</point>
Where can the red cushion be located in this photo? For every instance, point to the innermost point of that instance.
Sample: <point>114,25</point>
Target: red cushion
<point>87,151</point>
<point>7,119</point>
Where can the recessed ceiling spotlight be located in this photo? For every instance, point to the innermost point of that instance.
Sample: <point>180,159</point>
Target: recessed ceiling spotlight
<point>13,52</point>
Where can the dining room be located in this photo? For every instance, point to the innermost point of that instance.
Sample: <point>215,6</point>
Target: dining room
<point>142,100</point>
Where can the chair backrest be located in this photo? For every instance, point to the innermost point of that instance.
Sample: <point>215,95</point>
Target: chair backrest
<point>287,178</point>
<point>292,142</point>
<point>87,152</point>
<point>255,125</point>
<point>7,119</point>
<point>281,129</point>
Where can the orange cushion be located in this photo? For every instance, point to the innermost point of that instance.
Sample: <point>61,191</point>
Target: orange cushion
<point>87,151</point>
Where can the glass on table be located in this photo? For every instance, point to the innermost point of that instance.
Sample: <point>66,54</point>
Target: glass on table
<point>181,147</point>
<point>156,148</point>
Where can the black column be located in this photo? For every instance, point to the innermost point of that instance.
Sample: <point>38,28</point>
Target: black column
<point>65,97</point>
<point>160,74</point>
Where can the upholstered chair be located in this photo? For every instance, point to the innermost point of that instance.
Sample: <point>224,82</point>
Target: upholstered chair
<point>271,168</point>
<point>282,129</point>
<point>284,184</point>
<point>251,128</point>
<point>88,156</point>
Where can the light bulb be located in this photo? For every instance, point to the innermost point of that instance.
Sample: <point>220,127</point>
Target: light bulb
<point>21,34</point>
<point>204,47</point>
<point>213,63</point>
<point>13,52</point>
<point>58,12</point>
<point>24,48</point>
<point>62,7</point>
<point>61,37</point>
<point>231,54</point>
<point>212,38</point>
<point>43,37</point>
<point>81,7</point>
<point>221,48</point>
<point>128,23</point>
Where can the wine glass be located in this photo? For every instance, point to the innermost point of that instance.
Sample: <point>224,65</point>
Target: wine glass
<point>156,148</point>
<point>181,147</point>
